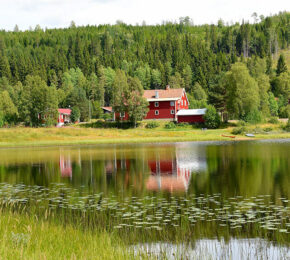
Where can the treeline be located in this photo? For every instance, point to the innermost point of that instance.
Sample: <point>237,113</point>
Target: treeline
<point>85,67</point>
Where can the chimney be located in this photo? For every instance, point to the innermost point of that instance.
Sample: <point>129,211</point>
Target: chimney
<point>156,94</point>
<point>167,87</point>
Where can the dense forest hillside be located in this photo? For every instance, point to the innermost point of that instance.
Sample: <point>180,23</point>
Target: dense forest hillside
<point>227,66</point>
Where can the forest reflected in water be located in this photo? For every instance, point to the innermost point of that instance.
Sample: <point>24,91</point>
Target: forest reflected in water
<point>231,169</point>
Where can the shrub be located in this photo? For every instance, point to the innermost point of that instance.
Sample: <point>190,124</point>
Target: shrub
<point>2,121</point>
<point>242,123</point>
<point>75,114</point>
<point>170,125</point>
<point>183,124</point>
<point>152,124</point>
<point>239,130</point>
<point>254,116</point>
<point>287,126</point>
<point>212,118</point>
<point>268,129</point>
<point>273,120</point>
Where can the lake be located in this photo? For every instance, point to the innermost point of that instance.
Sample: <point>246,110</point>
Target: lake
<point>167,197</point>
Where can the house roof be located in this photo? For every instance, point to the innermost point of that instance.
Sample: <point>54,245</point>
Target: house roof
<point>163,94</point>
<point>65,111</point>
<point>191,112</point>
<point>110,109</point>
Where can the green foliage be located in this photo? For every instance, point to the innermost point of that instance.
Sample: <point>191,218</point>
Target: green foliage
<point>198,92</point>
<point>242,91</point>
<point>212,118</point>
<point>2,119</point>
<point>152,124</point>
<point>253,117</point>
<point>80,65</point>
<point>273,120</point>
<point>281,85</point>
<point>281,65</point>
<point>170,125</point>
<point>273,105</point>
<point>239,130</point>
<point>287,126</point>
<point>75,114</point>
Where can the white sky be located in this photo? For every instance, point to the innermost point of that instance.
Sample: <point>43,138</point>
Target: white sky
<point>59,13</point>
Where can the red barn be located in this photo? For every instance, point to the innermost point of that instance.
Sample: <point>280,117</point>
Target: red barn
<point>191,115</point>
<point>163,104</point>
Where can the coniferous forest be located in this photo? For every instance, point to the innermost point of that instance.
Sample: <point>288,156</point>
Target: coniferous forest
<point>231,67</point>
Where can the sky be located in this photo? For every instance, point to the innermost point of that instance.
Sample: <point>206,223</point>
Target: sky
<point>60,13</point>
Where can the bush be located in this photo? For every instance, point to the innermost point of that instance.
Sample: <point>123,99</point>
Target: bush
<point>170,125</point>
<point>287,126</point>
<point>212,118</point>
<point>151,125</point>
<point>253,117</point>
<point>2,121</point>
<point>75,114</point>
<point>268,129</point>
<point>183,124</point>
<point>242,123</point>
<point>239,130</point>
<point>273,120</point>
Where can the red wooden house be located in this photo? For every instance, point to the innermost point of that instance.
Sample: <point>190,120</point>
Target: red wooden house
<point>163,104</point>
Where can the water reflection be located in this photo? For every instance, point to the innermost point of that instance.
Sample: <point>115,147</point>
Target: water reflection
<point>238,168</point>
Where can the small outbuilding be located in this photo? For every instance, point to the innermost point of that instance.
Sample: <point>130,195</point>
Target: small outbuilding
<point>191,115</point>
<point>63,116</point>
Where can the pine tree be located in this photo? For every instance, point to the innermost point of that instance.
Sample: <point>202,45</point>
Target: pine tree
<point>281,65</point>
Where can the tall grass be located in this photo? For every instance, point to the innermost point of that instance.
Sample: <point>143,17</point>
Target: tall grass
<point>28,237</point>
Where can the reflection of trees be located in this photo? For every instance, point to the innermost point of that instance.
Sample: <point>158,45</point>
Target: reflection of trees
<point>246,169</point>
<point>242,168</point>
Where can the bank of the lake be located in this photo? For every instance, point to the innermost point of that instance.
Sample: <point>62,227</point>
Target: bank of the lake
<point>25,136</point>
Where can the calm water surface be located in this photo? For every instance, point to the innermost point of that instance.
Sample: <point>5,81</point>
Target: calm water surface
<point>205,191</point>
<point>233,168</point>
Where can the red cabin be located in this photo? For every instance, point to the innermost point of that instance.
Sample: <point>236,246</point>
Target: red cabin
<point>63,116</point>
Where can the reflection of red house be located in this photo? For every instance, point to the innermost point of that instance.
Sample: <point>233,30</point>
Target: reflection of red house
<point>168,176</point>
<point>65,166</point>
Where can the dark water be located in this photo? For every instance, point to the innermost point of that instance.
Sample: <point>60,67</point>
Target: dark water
<point>231,169</point>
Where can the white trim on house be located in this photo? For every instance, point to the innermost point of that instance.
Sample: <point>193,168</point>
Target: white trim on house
<point>156,112</point>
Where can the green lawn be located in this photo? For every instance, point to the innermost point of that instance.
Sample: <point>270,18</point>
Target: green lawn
<point>22,136</point>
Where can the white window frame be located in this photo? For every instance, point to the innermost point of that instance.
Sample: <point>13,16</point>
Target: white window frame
<point>122,114</point>
<point>156,104</point>
<point>156,112</point>
<point>172,112</point>
<point>181,102</point>
<point>172,103</point>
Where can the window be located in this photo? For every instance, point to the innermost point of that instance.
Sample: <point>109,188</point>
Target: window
<point>182,102</point>
<point>156,104</point>
<point>185,102</point>
<point>122,114</point>
<point>156,112</point>
<point>172,112</point>
<point>172,103</point>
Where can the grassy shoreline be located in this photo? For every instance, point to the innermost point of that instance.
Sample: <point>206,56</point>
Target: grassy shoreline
<point>23,137</point>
